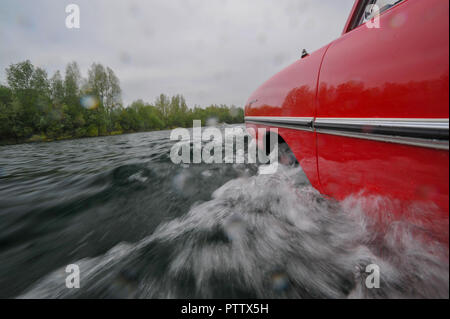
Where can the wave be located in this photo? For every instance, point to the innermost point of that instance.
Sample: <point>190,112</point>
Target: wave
<point>269,236</point>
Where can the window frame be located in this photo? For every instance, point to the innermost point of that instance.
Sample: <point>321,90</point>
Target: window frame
<point>357,12</point>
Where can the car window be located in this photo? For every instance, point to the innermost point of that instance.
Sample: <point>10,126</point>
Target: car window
<point>373,7</point>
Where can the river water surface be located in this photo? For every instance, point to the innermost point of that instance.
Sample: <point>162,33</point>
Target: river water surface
<point>139,226</point>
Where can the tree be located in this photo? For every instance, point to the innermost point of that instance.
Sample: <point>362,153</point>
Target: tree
<point>32,104</point>
<point>57,88</point>
<point>98,82</point>
<point>6,121</point>
<point>162,104</point>
<point>72,82</point>
<point>40,83</point>
<point>30,92</point>
<point>113,91</point>
<point>71,106</point>
<point>19,76</point>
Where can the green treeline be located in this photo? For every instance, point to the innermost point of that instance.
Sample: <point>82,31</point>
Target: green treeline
<point>34,107</point>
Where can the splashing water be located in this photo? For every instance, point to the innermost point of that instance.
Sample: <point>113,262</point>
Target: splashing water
<point>267,236</point>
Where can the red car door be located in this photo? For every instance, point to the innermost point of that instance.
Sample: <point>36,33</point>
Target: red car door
<point>383,107</point>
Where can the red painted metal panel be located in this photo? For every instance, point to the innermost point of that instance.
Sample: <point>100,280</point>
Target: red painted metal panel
<point>398,71</point>
<point>408,173</point>
<point>292,93</point>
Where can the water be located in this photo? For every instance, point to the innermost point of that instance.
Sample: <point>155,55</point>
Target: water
<point>139,226</point>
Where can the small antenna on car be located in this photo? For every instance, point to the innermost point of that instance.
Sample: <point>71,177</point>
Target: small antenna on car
<point>304,53</point>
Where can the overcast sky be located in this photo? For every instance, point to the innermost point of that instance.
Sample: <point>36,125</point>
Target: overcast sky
<point>210,51</point>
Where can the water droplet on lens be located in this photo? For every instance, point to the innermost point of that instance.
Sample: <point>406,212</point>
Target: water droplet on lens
<point>180,181</point>
<point>125,58</point>
<point>89,102</point>
<point>125,285</point>
<point>280,281</point>
<point>234,227</point>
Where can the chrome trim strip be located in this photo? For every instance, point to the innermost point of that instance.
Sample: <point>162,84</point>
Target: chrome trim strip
<point>295,123</point>
<point>431,133</point>
<point>284,120</point>
<point>410,128</point>
<point>387,122</point>
<point>428,143</point>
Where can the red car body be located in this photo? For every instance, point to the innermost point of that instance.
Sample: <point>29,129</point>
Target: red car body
<point>369,112</point>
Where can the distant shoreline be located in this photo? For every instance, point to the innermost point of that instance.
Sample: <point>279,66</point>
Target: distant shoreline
<point>37,108</point>
<point>40,139</point>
